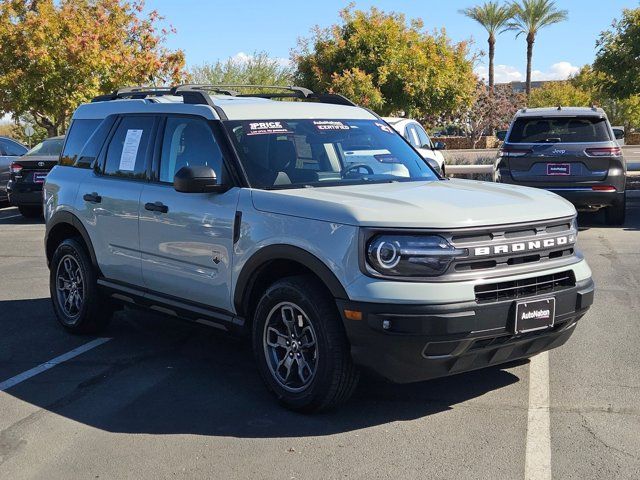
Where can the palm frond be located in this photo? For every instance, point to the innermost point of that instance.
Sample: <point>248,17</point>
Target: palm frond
<point>529,16</point>
<point>492,15</point>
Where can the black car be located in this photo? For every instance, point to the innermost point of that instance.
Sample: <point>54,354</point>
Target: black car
<point>28,173</point>
<point>569,151</point>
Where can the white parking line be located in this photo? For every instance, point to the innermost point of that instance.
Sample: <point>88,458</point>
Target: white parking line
<point>538,453</point>
<point>21,377</point>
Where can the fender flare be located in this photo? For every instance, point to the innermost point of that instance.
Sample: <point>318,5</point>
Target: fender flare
<point>68,218</point>
<point>284,252</point>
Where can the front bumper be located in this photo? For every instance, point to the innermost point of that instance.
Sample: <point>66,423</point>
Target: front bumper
<point>24,193</point>
<point>429,341</point>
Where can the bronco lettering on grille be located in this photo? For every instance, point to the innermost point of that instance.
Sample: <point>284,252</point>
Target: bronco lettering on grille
<point>528,246</point>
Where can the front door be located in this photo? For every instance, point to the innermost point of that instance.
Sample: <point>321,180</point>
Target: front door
<point>186,239</point>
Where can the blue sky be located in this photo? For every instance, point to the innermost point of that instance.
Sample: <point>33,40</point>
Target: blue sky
<point>208,30</point>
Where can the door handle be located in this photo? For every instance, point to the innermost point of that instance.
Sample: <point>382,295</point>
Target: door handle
<point>92,197</point>
<point>156,207</point>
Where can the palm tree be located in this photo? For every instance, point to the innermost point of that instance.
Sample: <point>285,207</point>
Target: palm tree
<point>495,19</point>
<point>529,16</point>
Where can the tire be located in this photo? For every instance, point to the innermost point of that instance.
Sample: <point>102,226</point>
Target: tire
<point>30,211</point>
<point>616,213</point>
<point>93,311</point>
<point>331,376</point>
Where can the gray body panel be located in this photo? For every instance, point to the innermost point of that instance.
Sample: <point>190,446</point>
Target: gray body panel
<point>187,252</point>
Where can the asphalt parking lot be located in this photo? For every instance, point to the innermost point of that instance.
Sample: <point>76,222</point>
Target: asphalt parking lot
<point>160,398</point>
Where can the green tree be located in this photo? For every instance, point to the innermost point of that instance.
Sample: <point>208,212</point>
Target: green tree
<point>625,111</point>
<point>494,18</point>
<point>56,54</point>
<point>256,69</point>
<point>565,93</point>
<point>618,56</point>
<point>529,16</point>
<point>388,64</point>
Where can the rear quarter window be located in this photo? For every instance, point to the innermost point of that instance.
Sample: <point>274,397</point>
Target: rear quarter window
<point>78,134</point>
<point>560,130</point>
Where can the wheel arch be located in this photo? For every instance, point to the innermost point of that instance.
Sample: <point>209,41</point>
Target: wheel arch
<point>289,260</point>
<point>63,225</point>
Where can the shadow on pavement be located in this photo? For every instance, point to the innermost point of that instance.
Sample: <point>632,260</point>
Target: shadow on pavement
<point>11,216</point>
<point>587,220</point>
<point>162,376</point>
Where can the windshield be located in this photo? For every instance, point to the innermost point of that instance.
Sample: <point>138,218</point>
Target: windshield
<point>559,130</point>
<point>313,153</point>
<point>51,147</point>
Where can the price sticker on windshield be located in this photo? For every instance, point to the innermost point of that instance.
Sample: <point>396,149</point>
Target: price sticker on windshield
<point>267,128</point>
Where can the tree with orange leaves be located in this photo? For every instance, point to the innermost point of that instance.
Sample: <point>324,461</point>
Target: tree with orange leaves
<point>55,55</point>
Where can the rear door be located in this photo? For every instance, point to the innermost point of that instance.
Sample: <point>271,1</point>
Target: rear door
<point>111,197</point>
<point>559,150</point>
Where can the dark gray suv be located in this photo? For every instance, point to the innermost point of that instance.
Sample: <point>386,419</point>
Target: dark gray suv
<point>570,151</point>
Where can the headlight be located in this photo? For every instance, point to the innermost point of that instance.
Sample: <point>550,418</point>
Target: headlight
<point>574,225</point>
<point>411,255</point>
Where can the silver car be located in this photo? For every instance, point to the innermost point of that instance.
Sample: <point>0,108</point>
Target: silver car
<point>9,151</point>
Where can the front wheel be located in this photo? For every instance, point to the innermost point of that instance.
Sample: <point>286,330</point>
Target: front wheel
<point>301,347</point>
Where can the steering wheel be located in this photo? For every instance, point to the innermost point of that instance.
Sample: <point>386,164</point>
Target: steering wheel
<point>357,166</point>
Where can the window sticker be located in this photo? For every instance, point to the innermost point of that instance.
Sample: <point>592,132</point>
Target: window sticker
<point>384,128</point>
<point>130,151</point>
<point>267,128</point>
<point>324,125</point>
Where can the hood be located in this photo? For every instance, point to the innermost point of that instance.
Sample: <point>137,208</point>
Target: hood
<point>434,204</point>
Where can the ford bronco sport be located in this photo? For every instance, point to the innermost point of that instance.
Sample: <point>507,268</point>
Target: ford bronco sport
<point>240,211</point>
<point>571,151</point>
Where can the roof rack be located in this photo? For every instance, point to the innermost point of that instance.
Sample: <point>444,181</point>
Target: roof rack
<point>198,93</point>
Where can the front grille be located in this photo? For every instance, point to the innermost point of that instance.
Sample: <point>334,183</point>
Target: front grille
<point>494,248</point>
<point>528,287</point>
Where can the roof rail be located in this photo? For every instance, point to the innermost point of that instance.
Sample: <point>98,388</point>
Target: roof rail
<point>134,92</point>
<point>198,93</point>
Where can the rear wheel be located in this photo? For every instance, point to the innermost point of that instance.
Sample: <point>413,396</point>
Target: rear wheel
<point>77,302</point>
<point>300,346</point>
<point>616,213</point>
<point>30,211</point>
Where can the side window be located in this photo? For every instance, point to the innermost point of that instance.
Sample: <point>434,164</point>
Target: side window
<point>188,142</point>
<point>128,148</point>
<point>412,136</point>
<point>77,135</point>
<point>422,135</point>
<point>11,149</point>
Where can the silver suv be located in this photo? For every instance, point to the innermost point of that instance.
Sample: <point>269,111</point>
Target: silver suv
<point>242,212</point>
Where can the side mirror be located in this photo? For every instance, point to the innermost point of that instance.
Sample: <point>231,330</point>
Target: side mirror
<point>501,135</point>
<point>618,133</point>
<point>197,179</point>
<point>439,146</point>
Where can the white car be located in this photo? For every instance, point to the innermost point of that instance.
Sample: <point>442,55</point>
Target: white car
<point>418,137</point>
